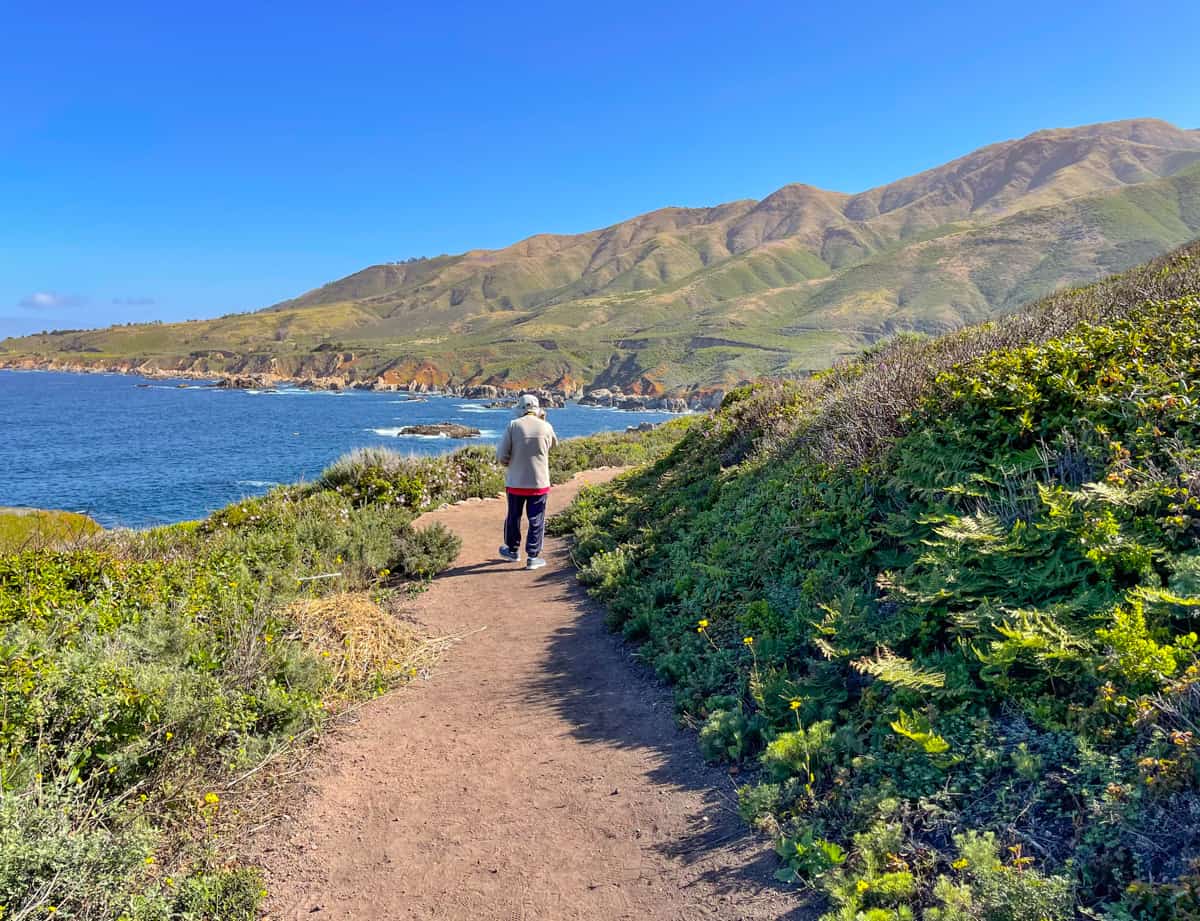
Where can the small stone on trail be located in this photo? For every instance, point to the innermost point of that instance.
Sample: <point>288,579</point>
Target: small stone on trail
<point>614,792</point>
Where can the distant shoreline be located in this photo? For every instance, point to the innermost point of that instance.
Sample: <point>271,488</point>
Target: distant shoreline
<point>552,397</point>
<point>209,381</point>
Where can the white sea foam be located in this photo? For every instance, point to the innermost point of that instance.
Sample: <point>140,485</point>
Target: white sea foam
<point>476,408</point>
<point>296,392</point>
<point>258,484</point>
<point>395,432</point>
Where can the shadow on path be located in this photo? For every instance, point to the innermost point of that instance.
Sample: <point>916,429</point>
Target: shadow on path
<point>491,567</point>
<point>591,680</point>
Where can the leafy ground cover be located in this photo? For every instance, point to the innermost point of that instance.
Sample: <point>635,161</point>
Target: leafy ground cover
<point>146,677</point>
<point>941,605</point>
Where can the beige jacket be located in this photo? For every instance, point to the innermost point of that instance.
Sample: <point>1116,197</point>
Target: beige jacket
<point>525,451</point>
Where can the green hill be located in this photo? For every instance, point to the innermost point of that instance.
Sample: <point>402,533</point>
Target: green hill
<point>938,607</point>
<point>687,301</point>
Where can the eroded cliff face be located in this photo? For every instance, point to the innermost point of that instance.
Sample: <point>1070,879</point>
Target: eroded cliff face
<point>345,370</point>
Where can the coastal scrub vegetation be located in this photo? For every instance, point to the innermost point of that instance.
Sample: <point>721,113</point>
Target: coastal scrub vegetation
<point>148,676</point>
<point>941,604</point>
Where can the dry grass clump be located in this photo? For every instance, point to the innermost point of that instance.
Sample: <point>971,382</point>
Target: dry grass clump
<point>364,644</point>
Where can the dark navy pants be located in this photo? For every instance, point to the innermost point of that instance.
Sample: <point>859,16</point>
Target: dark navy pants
<point>534,507</point>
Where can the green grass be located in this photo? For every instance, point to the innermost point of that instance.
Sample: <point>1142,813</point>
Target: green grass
<point>22,528</point>
<point>939,606</point>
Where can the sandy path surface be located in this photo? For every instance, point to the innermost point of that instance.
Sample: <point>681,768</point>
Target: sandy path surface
<point>538,774</point>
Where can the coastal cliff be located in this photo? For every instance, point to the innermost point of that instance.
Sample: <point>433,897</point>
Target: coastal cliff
<point>343,374</point>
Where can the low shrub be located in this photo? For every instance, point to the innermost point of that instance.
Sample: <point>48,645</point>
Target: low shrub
<point>421,553</point>
<point>947,600</point>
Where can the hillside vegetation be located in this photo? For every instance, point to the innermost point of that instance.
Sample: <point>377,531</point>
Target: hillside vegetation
<point>149,680</point>
<point>690,301</point>
<point>940,604</point>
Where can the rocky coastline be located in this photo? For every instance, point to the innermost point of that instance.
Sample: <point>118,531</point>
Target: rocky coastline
<point>553,397</point>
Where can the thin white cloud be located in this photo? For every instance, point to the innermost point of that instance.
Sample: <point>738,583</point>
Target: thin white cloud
<point>50,300</point>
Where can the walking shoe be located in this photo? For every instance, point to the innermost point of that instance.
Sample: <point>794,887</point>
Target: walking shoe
<point>535,562</point>
<point>513,556</point>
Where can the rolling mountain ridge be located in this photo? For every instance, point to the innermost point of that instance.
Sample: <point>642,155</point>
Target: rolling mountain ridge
<point>688,301</point>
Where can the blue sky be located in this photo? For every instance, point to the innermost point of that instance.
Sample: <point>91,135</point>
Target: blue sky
<point>183,160</point>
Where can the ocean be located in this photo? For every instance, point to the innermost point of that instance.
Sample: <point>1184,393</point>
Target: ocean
<point>135,452</point>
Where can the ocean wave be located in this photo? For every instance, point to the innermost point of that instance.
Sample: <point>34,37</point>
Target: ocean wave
<point>476,408</point>
<point>258,484</point>
<point>296,392</point>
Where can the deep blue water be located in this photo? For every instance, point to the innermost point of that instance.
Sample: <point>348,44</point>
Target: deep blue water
<point>136,456</point>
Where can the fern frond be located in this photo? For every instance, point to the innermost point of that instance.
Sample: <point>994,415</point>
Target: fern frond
<point>899,672</point>
<point>916,728</point>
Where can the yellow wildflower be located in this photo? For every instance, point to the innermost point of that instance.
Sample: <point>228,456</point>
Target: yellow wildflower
<point>703,624</point>
<point>211,798</point>
<point>795,705</point>
<point>960,864</point>
<point>748,640</point>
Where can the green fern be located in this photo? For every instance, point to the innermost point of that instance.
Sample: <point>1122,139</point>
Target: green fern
<point>916,728</point>
<point>899,672</point>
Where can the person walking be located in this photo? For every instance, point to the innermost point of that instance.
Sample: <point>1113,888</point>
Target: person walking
<point>525,450</point>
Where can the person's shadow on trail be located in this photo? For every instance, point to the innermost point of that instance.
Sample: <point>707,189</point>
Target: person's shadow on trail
<point>592,681</point>
<point>492,567</point>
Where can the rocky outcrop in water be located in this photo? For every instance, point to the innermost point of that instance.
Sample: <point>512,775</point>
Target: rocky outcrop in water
<point>616,399</point>
<point>444,429</point>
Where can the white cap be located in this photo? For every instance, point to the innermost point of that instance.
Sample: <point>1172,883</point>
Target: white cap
<point>529,403</point>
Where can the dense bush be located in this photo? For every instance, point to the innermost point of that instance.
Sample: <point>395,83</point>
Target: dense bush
<point>947,599</point>
<point>143,671</point>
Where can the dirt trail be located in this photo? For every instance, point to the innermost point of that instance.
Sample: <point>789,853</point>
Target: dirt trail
<point>538,774</point>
